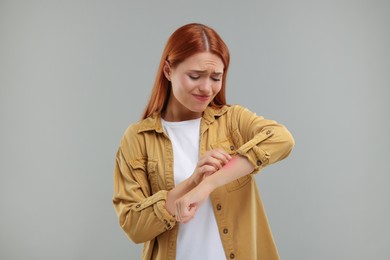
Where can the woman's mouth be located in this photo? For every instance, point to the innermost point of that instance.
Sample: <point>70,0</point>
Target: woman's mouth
<point>201,98</point>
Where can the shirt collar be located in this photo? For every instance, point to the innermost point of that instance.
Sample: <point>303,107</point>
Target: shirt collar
<point>153,123</point>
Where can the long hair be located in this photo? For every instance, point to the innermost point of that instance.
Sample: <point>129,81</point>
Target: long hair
<point>186,41</point>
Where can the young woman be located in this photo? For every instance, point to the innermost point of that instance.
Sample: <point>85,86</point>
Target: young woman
<point>183,180</point>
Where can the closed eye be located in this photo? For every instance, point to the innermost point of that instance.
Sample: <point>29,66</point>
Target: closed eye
<point>194,77</point>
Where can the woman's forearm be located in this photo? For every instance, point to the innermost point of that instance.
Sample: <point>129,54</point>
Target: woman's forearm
<point>186,206</point>
<point>209,163</point>
<point>177,192</point>
<point>236,168</point>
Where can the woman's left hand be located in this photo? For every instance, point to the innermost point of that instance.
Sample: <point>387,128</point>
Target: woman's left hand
<point>187,205</point>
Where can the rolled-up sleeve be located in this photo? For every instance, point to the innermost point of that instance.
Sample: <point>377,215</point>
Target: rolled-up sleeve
<point>263,141</point>
<point>141,215</point>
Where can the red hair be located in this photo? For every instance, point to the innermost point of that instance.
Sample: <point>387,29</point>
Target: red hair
<point>186,41</point>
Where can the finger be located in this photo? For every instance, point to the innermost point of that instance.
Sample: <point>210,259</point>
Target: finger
<point>207,174</point>
<point>177,217</point>
<point>208,169</point>
<point>191,214</point>
<point>214,157</point>
<point>218,159</point>
<point>222,152</point>
<point>183,211</point>
<point>178,212</point>
<point>216,162</point>
<point>220,155</point>
<point>185,221</point>
<point>217,153</point>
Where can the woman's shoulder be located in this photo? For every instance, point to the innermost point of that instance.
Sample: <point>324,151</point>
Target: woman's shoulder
<point>132,143</point>
<point>225,109</point>
<point>236,107</point>
<point>135,129</point>
<point>238,113</point>
<point>229,112</point>
<point>236,110</point>
<point>132,130</point>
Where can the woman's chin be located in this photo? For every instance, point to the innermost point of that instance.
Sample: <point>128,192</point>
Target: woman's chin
<point>199,108</point>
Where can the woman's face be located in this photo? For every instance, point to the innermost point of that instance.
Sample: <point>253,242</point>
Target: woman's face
<point>195,82</point>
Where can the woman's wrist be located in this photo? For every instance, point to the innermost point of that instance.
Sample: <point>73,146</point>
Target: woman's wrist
<point>208,184</point>
<point>191,182</point>
<point>170,203</point>
<point>178,191</point>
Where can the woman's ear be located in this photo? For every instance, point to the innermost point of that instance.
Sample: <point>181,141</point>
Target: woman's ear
<point>167,70</point>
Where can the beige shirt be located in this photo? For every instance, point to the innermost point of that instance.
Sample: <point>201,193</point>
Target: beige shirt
<point>143,175</point>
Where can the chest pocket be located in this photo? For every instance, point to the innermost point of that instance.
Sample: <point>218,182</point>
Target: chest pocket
<point>231,149</point>
<point>153,175</point>
<point>148,166</point>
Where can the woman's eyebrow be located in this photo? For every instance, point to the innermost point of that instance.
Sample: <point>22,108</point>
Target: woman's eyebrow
<point>205,72</point>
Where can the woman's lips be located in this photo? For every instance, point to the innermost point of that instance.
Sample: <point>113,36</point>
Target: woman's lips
<point>202,98</point>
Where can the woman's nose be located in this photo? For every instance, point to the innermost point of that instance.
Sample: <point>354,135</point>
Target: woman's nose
<point>205,86</point>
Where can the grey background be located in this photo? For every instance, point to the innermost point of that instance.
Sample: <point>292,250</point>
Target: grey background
<point>75,74</point>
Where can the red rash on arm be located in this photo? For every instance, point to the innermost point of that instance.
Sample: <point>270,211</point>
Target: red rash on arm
<point>230,163</point>
<point>237,167</point>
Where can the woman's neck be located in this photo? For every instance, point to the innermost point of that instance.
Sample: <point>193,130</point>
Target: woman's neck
<point>175,112</point>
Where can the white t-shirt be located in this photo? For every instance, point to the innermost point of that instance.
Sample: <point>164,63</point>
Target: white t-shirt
<point>199,238</point>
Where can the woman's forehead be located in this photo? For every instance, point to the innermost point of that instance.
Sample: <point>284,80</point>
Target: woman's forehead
<point>203,62</point>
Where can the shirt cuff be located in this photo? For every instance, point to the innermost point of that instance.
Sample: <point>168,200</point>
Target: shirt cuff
<point>158,201</point>
<point>253,152</point>
<point>162,212</point>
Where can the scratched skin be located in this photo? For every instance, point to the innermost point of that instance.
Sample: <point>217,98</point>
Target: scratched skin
<point>231,163</point>
<point>228,165</point>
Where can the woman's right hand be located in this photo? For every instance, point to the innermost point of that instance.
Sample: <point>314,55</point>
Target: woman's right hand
<point>210,162</point>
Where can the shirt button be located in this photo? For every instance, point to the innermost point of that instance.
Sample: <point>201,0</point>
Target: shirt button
<point>258,162</point>
<point>219,207</point>
<point>138,205</point>
<point>232,256</point>
<point>231,147</point>
<point>225,230</point>
<point>268,132</point>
